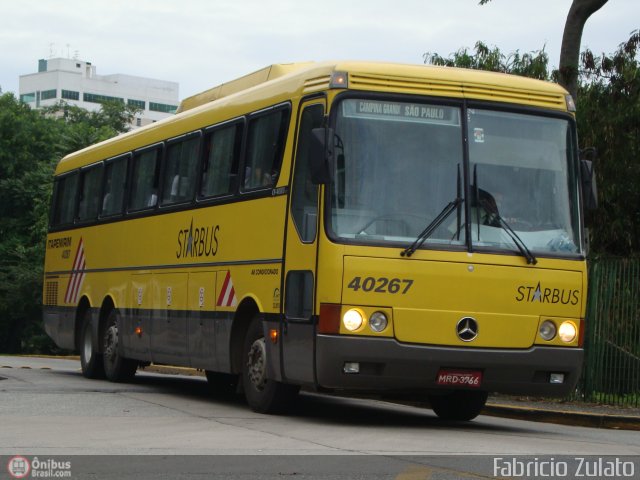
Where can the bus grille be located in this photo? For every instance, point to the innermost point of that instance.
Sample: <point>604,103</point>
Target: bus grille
<point>51,293</point>
<point>315,84</point>
<point>439,87</point>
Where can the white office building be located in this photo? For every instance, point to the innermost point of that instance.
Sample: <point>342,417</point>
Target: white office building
<point>76,82</point>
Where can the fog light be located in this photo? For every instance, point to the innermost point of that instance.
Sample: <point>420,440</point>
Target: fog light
<point>351,367</point>
<point>378,322</point>
<point>352,320</point>
<point>548,330</point>
<point>556,378</point>
<point>567,332</point>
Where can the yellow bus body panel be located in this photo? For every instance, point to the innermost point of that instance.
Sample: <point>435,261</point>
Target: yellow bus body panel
<point>508,301</point>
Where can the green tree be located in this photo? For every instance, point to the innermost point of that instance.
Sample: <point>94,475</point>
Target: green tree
<point>85,128</point>
<point>31,143</point>
<point>608,118</point>
<point>27,158</point>
<point>579,13</point>
<point>532,64</point>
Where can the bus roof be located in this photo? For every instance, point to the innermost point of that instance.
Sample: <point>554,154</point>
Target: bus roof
<point>279,82</point>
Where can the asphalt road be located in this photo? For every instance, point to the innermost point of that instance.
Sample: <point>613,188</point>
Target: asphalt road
<point>167,426</point>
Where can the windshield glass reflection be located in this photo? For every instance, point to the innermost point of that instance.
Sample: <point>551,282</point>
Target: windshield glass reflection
<point>398,164</point>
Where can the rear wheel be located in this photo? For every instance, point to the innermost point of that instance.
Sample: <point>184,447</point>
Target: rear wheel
<point>462,405</point>
<point>116,367</point>
<point>90,359</point>
<point>263,394</point>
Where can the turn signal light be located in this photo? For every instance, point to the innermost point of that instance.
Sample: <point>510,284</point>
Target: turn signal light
<point>273,335</point>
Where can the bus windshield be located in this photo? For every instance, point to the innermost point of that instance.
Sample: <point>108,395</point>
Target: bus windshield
<point>399,164</point>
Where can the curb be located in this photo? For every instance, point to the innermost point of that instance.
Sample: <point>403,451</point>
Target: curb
<point>582,419</point>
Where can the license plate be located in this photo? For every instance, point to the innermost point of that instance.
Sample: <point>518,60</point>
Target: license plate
<point>459,378</point>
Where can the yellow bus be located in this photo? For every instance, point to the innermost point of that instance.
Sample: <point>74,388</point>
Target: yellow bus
<point>338,226</point>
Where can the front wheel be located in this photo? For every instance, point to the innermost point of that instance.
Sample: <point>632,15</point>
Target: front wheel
<point>461,405</point>
<point>263,395</point>
<point>116,367</point>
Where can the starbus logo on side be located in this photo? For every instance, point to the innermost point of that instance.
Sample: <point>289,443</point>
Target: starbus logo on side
<point>198,241</point>
<point>547,295</point>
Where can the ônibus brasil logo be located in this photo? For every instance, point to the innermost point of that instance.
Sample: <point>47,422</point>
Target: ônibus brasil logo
<point>21,467</point>
<point>18,467</point>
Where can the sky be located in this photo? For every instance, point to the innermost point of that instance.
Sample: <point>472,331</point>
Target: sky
<point>202,43</point>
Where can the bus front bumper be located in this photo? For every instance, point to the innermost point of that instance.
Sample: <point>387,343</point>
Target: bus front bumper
<point>385,364</point>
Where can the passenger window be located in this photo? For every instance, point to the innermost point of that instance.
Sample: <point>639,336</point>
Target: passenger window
<point>220,172</point>
<point>265,148</point>
<point>89,204</point>
<point>144,180</point>
<point>115,175</point>
<point>304,194</point>
<point>65,200</point>
<point>181,171</point>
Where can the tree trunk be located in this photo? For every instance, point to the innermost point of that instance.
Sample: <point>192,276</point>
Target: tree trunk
<point>579,12</point>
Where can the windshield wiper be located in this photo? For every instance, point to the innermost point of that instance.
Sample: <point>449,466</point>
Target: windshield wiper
<point>531,259</point>
<point>426,233</point>
<point>488,203</point>
<point>526,253</point>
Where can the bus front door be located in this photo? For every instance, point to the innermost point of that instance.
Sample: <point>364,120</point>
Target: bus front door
<point>298,328</point>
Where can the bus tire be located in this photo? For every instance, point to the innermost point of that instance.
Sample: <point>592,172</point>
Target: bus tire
<point>116,367</point>
<point>263,394</point>
<point>90,360</point>
<point>460,405</point>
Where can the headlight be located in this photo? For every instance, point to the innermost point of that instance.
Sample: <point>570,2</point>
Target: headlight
<point>567,332</point>
<point>352,320</point>
<point>548,330</point>
<point>378,321</point>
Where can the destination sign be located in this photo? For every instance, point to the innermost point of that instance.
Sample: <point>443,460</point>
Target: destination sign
<point>401,111</point>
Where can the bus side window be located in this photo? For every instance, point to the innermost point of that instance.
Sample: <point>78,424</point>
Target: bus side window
<point>64,205</point>
<point>220,173</point>
<point>115,176</point>
<point>304,195</point>
<point>265,148</point>
<point>180,172</point>
<point>144,181</point>
<point>91,180</point>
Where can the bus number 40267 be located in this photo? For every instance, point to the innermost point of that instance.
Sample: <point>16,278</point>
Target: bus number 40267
<point>381,285</point>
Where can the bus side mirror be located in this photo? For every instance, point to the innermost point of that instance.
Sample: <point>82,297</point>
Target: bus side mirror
<point>321,155</point>
<point>588,178</point>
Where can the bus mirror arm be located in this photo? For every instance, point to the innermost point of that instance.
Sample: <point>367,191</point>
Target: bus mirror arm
<point>588,179</point>
<point>321,155</point>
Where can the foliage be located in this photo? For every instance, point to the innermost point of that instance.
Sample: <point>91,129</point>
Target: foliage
<point>85,128</point>
<point>533,64</point>
<point>31,143</point>
<point>609,119</point>
<point>27,158</point>
<point>579,13</point>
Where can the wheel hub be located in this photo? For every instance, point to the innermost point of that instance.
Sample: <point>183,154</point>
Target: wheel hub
<point>257,364</point>
<point>87,345</point>
<point>111,342</point>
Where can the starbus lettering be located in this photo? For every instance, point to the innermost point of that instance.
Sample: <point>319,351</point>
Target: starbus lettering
<point>198,241</point>
<point>528,293</point>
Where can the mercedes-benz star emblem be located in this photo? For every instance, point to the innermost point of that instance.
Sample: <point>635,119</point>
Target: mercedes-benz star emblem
<point>467,329</point>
